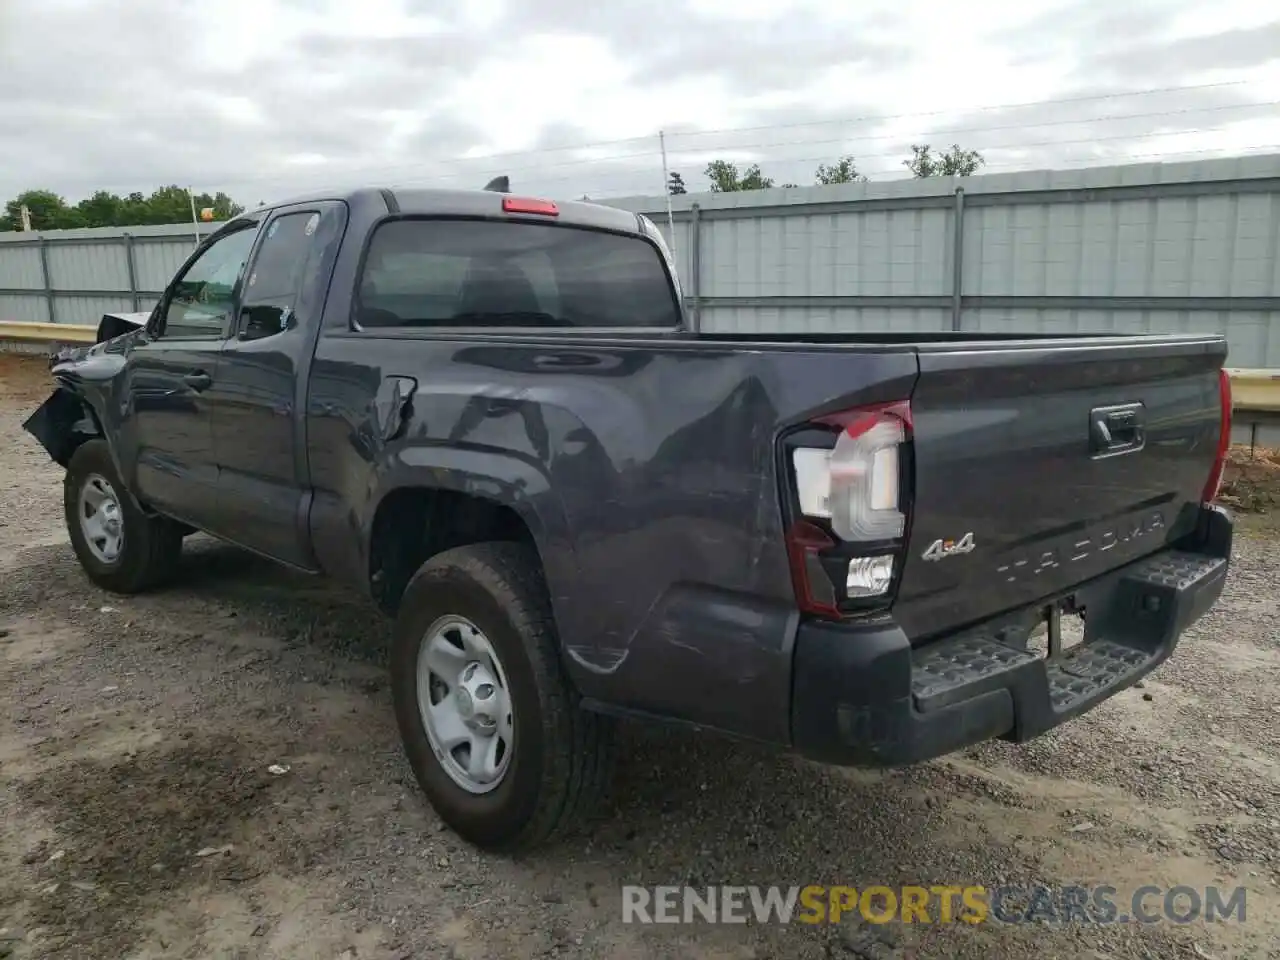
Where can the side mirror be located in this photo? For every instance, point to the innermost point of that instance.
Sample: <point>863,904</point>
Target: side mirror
<point>258,326</point>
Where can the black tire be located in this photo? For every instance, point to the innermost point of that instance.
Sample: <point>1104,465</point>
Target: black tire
<point>150,546</point>
<point>560,763</point>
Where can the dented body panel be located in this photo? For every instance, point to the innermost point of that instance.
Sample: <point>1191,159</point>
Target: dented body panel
<point>644,464</point>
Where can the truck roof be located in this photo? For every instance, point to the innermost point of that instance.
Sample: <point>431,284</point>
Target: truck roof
<point>474,203</point>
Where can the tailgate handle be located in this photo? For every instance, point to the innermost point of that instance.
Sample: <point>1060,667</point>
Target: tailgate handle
<point>1118,429</point>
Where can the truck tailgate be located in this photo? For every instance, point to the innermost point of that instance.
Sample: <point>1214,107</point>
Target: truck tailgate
<point>1039,465</point>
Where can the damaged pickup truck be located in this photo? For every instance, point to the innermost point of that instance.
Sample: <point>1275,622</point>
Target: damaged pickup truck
<point>489,413</point>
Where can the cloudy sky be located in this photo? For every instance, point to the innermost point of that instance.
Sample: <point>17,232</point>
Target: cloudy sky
<point>266,98</point>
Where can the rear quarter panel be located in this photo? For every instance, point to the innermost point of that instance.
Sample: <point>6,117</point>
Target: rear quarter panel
<point>646,473</point>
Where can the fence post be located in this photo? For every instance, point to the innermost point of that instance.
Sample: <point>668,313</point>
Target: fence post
<point>43,246</point>
<point>957,260</point>
<point>695,265</point>
<point>132,268</point>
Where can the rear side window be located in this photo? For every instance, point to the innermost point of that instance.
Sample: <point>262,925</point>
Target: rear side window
<point>465,273</point>
<point>271,290</point>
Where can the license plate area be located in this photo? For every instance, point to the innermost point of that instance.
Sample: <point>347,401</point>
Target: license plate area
<point>1061,628</point>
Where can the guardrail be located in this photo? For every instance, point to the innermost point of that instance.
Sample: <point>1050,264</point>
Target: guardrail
<point>1255,401</point>
<point>37,333</point>
<point>1253,391</point>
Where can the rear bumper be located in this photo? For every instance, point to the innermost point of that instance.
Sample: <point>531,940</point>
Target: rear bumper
<point>863,697</point>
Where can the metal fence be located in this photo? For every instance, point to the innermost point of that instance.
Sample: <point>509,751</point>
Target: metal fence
<point>1188,247</point>
<point>1141,248</point>
<point>75,276</point>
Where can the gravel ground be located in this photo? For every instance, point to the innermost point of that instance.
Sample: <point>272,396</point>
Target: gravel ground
<point>138,735</point>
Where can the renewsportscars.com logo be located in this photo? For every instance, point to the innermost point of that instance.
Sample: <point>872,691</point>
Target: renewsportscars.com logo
<point>972,904</point>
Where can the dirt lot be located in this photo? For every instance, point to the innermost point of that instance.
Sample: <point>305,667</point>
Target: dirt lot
<point>137,736</point>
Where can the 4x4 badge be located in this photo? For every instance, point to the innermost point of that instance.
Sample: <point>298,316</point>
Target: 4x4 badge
<point>947,548</point>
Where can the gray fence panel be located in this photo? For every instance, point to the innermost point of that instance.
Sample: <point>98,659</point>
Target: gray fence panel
<point>748,320</point>
<point>876,253</point>
<point>20,268</point>
<point>156,262</point>
<point>1141,248</point>
<point>25,307</point>
<point>85,273</point>
<point>89,266</point>
<point>1210,246</point>
<point>88,310</point>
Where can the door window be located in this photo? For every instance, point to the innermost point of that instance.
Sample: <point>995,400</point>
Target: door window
<point>202,301</point>
<point>275,279</point>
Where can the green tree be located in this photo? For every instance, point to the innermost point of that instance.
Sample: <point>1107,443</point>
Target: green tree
<point>725,177</point>
<point>954,163</point>
<point>843,170</point>
<point>675,184</point>
<point>48,211</point>
<point>103,209</point>
<point>224,208</point>
<point>133,209</point>
<point>171,204</point>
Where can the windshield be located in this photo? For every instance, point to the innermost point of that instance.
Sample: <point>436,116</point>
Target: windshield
<point>495,273</point>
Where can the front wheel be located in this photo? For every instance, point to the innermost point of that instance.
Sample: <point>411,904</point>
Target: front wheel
<point>121,548</point>
<point>490,723</point>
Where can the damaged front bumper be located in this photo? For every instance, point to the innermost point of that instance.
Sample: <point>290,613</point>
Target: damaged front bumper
<point>60,425</point>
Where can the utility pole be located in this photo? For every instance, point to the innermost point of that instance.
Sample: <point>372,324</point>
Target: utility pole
<point>666,188</point>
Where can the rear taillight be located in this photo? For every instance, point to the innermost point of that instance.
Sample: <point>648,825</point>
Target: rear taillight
<point>1214,483</point>
<point>849,483</point>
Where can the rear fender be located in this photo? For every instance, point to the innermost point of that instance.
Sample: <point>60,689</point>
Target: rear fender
<point>505,480</point>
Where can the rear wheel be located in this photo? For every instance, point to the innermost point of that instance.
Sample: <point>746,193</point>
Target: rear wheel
<point>120,547</point>
<point>490,723</point>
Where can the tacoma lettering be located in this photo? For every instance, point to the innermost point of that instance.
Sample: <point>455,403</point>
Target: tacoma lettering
<point>1108,538</point>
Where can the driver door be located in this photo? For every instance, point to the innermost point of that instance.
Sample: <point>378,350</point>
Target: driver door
<point>169,371</point>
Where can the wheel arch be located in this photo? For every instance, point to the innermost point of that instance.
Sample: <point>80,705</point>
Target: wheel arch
<point>434,500</point>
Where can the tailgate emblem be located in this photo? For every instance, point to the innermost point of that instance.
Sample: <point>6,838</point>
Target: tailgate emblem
<point>941,549</point>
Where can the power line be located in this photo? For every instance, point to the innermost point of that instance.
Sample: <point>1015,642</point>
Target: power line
<point>985,109</point>
<point>642,187</point>
<point>1163,155</point>
<point>1019,145</point>
<point>372,170</point>
<point>473,172</point>
<point>1020,126</point>
<point>901,137</point>
<point>633,176</point>
<point>604,180</point>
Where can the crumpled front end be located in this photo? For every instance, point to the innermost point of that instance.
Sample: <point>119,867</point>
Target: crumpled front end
<point>61,424</point>
<point>83,378</point>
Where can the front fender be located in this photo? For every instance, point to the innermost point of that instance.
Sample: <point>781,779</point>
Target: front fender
<point>80,407</point>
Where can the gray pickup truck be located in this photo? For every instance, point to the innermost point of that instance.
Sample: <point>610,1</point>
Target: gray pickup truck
<point>490,414</point>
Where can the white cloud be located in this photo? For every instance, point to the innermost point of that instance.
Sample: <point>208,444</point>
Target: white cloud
<point>271,97</point>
